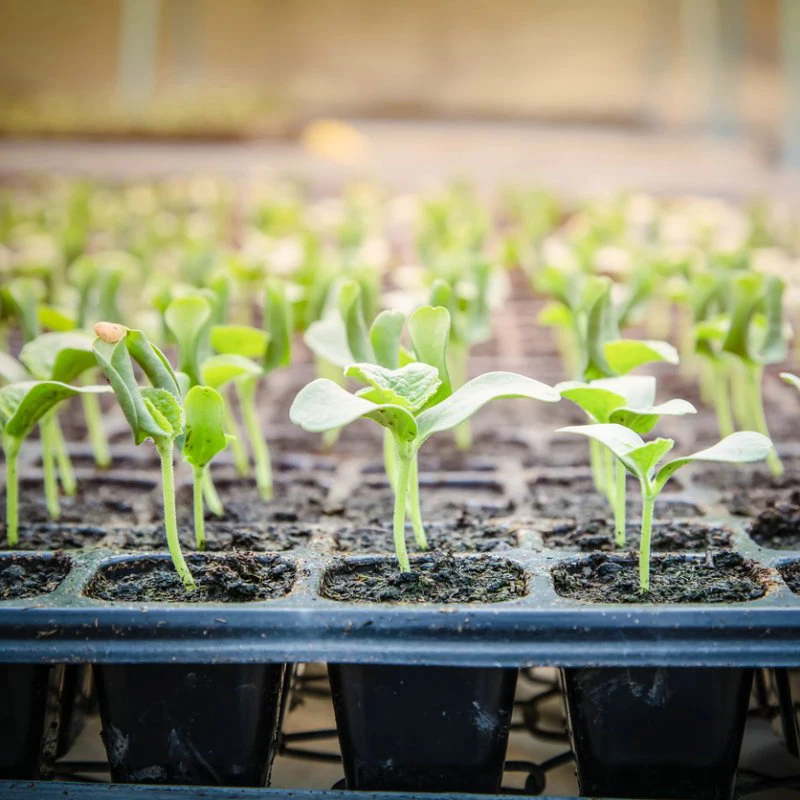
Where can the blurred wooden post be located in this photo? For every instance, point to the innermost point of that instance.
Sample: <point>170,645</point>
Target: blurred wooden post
<point>138,52</point>
<point>714,37</point>
<point>790,53</point>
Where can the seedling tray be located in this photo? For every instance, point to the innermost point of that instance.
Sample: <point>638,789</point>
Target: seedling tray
<point>540,628</point>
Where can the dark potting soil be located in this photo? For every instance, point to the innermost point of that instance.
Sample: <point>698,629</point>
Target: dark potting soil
<point>29,576</point>
<point>220,537</point>
<point>671,537</point>
<point>791,575</point>
<point>724,577</point>
<point>435,578</point>
<point>466,534</point>
<point>298,497</point>
<point>778,525</point>
<point>58,536</point>
<point>230,578</point>
<point>748,476</point>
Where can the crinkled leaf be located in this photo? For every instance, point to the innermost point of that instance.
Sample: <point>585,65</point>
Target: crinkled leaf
<point>23,404</point>
<point>411,386</point>
<point>429,330</point>
<point>59,356</point>
<point>218,370</point>
<point>384,336</point>
<point>241,340</point>
<point>278,322</point>
<point>166,410</point>
<point>474,394</point>
<point>623,355</point>
<point>352,313</point>
<point>738,448</point>
<point>205,432</point>
<point>323,405</point>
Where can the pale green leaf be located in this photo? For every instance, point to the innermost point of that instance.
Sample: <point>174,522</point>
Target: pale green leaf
<point>623,355</point>
<point>429,330</point>
<point>410,387</point>
<point>11,371</point>
<point>240,340</point>
<point>166,410</point>
<point>327,339</point>
<point>59,356</point>
<point>218,370</point>
<point>384,335</point>
<point>203,408</point>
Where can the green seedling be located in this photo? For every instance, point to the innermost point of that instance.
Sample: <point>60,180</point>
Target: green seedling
<point>629,401</point>
<point>244,356</point>
<point>413,402</point>
<point>59,357</point>
<point>22,406</point>
<point>641,459</point>
<point>153,412</point>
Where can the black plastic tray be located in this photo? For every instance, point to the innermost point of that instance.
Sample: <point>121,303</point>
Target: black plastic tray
<point>539,629</point>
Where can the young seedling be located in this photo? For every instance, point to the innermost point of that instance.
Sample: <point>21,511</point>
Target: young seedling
<point>413,402</point>
<point>22,406</point>
<point>245,356</point>
<point>641,459</point>
<point>629,401</point>
<point>153,412</point>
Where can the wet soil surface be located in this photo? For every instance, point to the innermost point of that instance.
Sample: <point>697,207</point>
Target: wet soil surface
<point>791,575</point>
<point>778,525</point>
<point>233,578</point>
<point>464,535</point>
<point>101,500</point>
<point>29,576</point>
<point>437,578</point>
<point>671,537</point>
<point>724,577</point>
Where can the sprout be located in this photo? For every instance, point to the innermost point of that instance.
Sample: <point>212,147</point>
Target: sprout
<point>627,401</point>
<point>641,459</point>
<point>22,405</point>
<point>412,402</point>
<point>152,412</point>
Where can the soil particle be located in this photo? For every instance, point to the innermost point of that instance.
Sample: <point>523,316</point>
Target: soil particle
<point>29,576</point>
<point>231,578</point>
<point>791,575</point>
<point>466,534</point>
<point>435,578</point>
<point>724,577</point>
<point>669,537</point>
<point>778,525</point>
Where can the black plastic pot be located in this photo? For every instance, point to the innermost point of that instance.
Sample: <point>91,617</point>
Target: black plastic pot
<point>657,732</point>
<point>196,724</point>
<point>78,701</point>
<point>433,729</point>
<point>28,718</point>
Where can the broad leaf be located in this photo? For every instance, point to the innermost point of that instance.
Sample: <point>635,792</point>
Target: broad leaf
<point>240,340</point>
<point>187,318</point>
<point>54,319</point>
<point>22,405</point>
<point>475,394</point>
<point>352,314</point>
<point>323,405</point>
<point>738,448</point>
<point>619,440</point>
<point>623,355</point>
<point>597,402</point>
<point>205,432</point>
<point>327,339</point>
<point>647,457</point>
<point>59,356</point>
<point>218,370</point>
<point>642,420</point>
<point>600,328</point>
<point>429,330</point>
<point>410,387</point>
<point>384,336</point>
<point>278,321</point>
<point>11,371</point>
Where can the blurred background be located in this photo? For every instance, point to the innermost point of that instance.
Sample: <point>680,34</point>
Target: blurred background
<point>627,90</point>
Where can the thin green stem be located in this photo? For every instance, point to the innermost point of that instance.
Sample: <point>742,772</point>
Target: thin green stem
<point>738,381</point>
<point>238,449</point>
<point>413,505</point>
<point>210,495</point>
<point>619,504</point>
<point>258,444</point>
<point>199,474</point>
<point>722,404</point>
<point>648,502</point>
<point>11,448</point>
<point>97,433</point>
<point>400,497</point>
<point>164,448</point>
<point>49,466</point>
<point>596,460</point>
<point>608,471</point>
<point>389,458</point>
<point>65,471</point>
<point>759,420</point>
